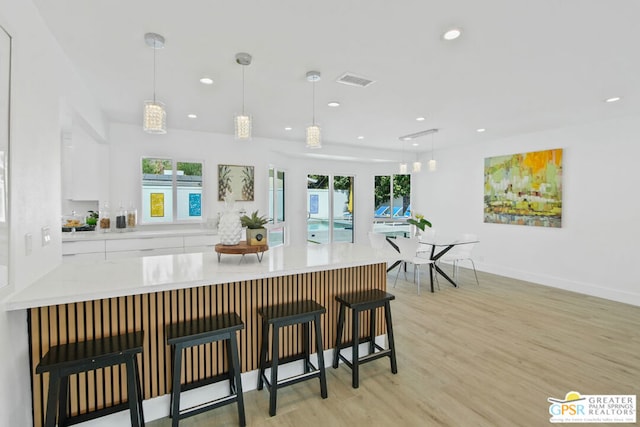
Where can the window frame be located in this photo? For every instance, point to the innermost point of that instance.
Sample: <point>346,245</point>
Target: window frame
<point>174,193</point>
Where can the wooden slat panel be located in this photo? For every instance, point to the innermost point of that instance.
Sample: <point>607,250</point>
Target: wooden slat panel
<point>151,313</point>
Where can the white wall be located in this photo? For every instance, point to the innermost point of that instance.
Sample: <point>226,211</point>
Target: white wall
<point>594,252</point>
<point>128,144</point>
<point>44,89</point>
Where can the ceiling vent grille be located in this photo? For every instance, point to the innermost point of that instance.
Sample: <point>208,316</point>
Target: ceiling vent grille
<point>354,80</point>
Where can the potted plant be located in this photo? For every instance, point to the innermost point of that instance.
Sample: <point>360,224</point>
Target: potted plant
<point>256,233</point>
<point>419,222</point>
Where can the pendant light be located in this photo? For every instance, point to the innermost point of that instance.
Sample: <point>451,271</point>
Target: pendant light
<point>155,116</point>
<point>417,166</point>
<point>313,131</point>
<point>242,121</point>
<point>432,163</point>
<point>403,164</point>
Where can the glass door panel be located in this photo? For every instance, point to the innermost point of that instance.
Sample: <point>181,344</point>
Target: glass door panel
<point>318,208</point>
<point>342,209</point>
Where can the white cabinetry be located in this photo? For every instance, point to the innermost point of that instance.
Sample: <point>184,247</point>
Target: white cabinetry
<point>83,250</point>
<point>136,245</point>
<point>84,166</point>
<point>144,246</point>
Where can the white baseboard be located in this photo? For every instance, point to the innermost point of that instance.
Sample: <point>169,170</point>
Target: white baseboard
<point>591,289</point>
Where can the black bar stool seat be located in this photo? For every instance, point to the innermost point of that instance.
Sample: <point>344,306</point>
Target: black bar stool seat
<point>358,302</point>
<point>300,312</point>
<point>195,332</point>
<point>84,356</point>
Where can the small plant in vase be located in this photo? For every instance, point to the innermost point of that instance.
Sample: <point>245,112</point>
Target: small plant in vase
<point>256,233</point>
<point>419,222</point>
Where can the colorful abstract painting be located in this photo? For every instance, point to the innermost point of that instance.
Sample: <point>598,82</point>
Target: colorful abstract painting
<point>524,189</point>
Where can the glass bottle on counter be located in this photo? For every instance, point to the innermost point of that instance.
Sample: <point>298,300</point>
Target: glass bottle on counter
<point>132,217</point>
<point>121,218</point>
<point>104,222</point>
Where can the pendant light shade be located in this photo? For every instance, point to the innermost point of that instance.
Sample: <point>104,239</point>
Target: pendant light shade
<point>313,132</point>
<point>313,137</point>
<point>242,127</point>
<point>242,121</point>
<point>403,168</point>
<point>417,166</point>
<point>154,115</point>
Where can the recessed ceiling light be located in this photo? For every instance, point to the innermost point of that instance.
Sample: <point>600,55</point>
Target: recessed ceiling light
<point>206,81</point>
<point>480,130</point>
<point>415,144</point>
<point>420,119</point>
<point>192,116</point>
<point>613,99</point>
<point>452,34</point>
<point>288,128</point>
<point>360,137</point>
<point>334,104</point>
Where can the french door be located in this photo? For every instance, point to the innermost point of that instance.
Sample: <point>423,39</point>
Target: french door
<point>330,209</point>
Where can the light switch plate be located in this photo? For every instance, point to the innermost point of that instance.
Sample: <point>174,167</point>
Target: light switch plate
<point>46,236</point>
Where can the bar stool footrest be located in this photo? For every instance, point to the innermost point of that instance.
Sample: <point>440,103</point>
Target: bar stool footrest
<point>313,373</point>
<point>207,406</point>
<point>368,357</point>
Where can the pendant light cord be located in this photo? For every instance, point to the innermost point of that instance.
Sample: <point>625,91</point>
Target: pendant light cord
<point>155,48</point>
<point>432,138</point>
<point>313,104</point>
<point>243,90</point>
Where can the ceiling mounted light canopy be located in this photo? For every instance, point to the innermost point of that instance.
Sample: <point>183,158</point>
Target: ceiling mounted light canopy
<point>313,131</point>
<point>155,116</point>
<point>242,121</point>
<point>417,134</point>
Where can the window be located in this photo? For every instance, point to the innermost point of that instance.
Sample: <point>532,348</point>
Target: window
<point>171,191</point>
<point>392,204</point>
<point>276,207</point>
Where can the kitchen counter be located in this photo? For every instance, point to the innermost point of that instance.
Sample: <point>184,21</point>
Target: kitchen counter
<point>136,234</point>
<point>90,280</point>
<point>103,298</point>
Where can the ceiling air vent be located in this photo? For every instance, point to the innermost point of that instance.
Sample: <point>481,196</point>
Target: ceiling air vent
<point>354,80</point>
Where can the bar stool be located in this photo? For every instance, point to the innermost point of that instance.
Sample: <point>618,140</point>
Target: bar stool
<point>358,302</point>
<point>301,312</point>
<point>195,332</point>
<point>84,356</point>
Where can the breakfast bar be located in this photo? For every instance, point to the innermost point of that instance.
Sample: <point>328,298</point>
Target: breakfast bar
<point>96,299</point>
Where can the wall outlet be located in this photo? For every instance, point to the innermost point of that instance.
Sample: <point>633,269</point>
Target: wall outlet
<point>46,236</point>
<point>28,244</point>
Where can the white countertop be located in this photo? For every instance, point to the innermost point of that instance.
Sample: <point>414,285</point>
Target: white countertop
<point>94,280</point>
<point>135,234</point>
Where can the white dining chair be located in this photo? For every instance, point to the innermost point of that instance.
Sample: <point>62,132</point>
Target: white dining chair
<point>408,249</point>
<point>379,241</point>
<point>461,253</point>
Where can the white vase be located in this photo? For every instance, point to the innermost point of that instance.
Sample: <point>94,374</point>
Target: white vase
<point>230,228</point>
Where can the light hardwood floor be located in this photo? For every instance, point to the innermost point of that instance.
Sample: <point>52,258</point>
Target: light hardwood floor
<point>487,355</point>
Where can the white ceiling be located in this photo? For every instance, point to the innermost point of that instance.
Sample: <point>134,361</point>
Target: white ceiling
<point>519,66</point>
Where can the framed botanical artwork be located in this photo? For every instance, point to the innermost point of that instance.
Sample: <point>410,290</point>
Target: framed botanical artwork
<point>524,189</point>
<point>238,180</point>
